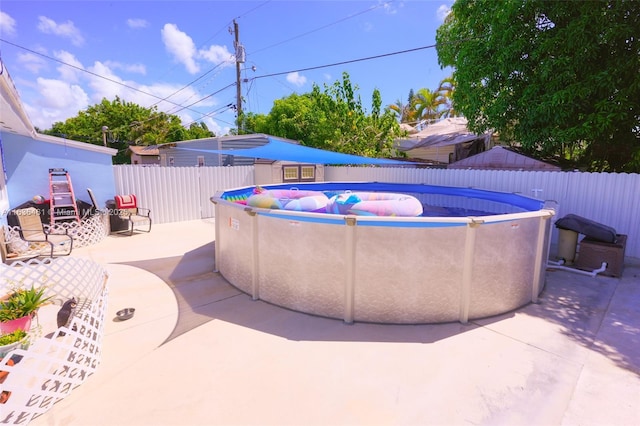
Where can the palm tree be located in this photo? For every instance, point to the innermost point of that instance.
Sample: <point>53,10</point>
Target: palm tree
<point>404,112</point>
<point>446,88</point>
<point>400,110</point>
<point>427,105</point>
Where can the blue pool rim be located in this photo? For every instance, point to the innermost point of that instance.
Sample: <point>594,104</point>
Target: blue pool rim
<point>525,203</point>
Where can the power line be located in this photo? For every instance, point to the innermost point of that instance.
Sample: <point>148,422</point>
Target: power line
<point>368,58</point>
<point>91,73</point>
<point>326,26</point>
<point>187,85</point>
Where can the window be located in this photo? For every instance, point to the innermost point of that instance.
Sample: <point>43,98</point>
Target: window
<point>200,160</point>
<point>299,173</point>
<point>171,161</point>
<point>308,173</point>
<point>290,173</point>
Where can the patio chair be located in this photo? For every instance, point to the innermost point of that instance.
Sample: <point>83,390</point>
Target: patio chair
<point>128,209</point>
<point>33,233</point>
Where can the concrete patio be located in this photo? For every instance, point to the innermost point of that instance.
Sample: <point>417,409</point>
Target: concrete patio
<point>200,352</point>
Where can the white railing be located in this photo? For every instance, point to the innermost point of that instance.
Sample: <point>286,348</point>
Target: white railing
<point>89,231</point>
<point>182,193</point>
<point>55,360</point>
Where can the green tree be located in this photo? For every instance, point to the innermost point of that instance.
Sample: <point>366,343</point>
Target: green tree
<point>198,131</point>
<point>404,111</point>
<point>559,77</point>
<point>427,105</point>
<point>127,124</point>
<point>333,119</point>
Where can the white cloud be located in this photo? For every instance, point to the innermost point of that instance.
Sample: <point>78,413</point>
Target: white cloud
<point>389,7</point>
<point>131,68</point>
<point>57,101</point>
<point>107,86</point>
<point>130,91</point>
<point>442,12</point>
<point>31,62</point>
<point>67,73</point>
<point>296,79</point>
<point>66,30</point>
<point>61,98</point>
<point>215,127</point>
<point>7,24</point>
<point>217,55</point>
<point>180,46</point>
<point>137,23</point>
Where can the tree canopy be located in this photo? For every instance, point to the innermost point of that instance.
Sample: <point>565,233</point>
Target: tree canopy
<point>331,118</point>
<point>560,78</point>
<point>426,106</point>
<point>128,124</point>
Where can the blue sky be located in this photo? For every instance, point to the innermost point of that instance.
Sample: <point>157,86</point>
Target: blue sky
<point>64,56</point>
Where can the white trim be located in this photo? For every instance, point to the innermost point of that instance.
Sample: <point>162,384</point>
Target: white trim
<point>75,144</point>
<point>15,120</point>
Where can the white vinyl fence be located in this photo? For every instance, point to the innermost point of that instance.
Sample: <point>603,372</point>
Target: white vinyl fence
<point>182,193</point>
<point>176,194</point>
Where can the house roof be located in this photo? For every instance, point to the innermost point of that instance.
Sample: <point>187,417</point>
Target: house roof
<point>145,150</point>
<point>408,128</point>
<point>450,131</point>
<point>14,119</point>
<point>500,158</point>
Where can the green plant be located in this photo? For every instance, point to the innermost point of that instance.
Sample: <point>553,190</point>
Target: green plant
<point>9,338</point>
<point>22,302</point>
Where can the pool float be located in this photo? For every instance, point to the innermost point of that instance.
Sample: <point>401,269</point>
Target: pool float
<point>374,204</point>
<point>289,199</point>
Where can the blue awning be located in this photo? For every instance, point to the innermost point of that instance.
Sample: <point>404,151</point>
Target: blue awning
<point>279,150</point>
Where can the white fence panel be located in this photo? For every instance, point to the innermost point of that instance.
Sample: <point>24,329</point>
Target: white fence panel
<point>176,194</point>
<point>612,199</point>
<point>182,193</point>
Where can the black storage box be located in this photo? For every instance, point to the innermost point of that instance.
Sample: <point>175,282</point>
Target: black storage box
<point>590,229</point>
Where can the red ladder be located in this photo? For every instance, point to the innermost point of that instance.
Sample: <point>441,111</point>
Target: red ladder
<point>62,201</point>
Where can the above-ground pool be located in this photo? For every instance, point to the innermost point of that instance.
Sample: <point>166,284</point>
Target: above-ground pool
<point>470,254</point>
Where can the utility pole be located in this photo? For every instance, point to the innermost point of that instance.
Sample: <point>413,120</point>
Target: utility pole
<point>239,59</point>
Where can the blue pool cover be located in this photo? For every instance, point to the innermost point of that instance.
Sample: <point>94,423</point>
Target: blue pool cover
<point>279,150</point>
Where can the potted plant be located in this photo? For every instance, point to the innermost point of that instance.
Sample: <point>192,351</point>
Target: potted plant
<point>18,308</point>
<point>11,341</point>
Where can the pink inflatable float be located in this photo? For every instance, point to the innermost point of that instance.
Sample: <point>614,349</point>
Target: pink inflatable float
<point>374,204</point>
<point>290,199</point>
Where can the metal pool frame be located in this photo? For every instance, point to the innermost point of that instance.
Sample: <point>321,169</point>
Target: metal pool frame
<point>400,270</point>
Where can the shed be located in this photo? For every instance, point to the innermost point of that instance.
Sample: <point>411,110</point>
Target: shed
<point>501,158</point>
<point>445,142</point>
<point>274,171</point>
<point>171,155</point>
<point>144,155</point>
